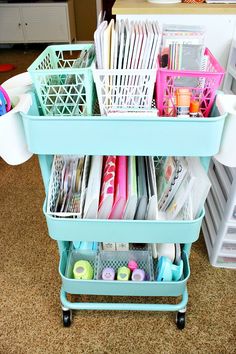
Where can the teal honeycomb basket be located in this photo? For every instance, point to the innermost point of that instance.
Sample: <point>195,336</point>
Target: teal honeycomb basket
<point>62,88</point>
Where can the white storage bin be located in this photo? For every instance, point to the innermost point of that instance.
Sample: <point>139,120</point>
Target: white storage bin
<point>17,85</point>
<point>13,147</point>
<point>219,224</point>
<point>226,155</point>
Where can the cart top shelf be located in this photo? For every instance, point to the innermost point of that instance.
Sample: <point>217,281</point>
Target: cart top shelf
<point>101,135</point>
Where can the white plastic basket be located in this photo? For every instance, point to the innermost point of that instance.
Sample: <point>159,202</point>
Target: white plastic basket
<point>124,89</point>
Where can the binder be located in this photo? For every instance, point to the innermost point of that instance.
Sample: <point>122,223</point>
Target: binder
<point>142,189</point>
<point>108,187</point>
<point>120,188</point>
<point>132,196</point>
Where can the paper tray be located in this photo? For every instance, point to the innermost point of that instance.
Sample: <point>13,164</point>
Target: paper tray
<point>152,231</point>
<point>122,288</point>
<point>101,135</point>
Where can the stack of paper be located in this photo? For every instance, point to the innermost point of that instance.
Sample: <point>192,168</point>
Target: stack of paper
<point>93,189</point>
<point>126,46</point>
<point>179,35</point>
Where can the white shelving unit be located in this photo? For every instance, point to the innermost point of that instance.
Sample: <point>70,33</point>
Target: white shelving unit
<point>219,224</point>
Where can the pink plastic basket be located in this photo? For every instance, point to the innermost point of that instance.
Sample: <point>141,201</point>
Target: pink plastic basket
<point>204,86</point>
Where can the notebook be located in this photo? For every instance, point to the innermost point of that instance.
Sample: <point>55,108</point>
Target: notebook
<point>120,189</point>
<point>142,189</point>
<point>181,34</point>
<point>108,187</point>
<point>98,41</point>
<point>177,175</point>
<point>93,190</point>
<point>132,195</point>
<point>186,57</point>
<point>180,197</point>
<point>166,173</point>
<point>156,45</point>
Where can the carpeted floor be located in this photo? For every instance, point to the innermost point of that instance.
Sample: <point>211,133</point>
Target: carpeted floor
<point>30,320</point>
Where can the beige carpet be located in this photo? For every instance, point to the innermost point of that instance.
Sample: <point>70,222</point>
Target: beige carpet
<point>30,320</point>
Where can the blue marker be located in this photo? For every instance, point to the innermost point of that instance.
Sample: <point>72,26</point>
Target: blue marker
<point>2,104</point>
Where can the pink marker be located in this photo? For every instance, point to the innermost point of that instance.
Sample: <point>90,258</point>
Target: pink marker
<point>132,265</point>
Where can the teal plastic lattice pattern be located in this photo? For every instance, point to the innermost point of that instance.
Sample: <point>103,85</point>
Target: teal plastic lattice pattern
<point>62,89</point>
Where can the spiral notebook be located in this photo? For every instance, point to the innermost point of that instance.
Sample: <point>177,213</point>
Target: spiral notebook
<point>171,175</point>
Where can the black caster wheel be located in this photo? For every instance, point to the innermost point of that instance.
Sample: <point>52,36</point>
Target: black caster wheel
<point>67,317</point>
<point>180,320</point>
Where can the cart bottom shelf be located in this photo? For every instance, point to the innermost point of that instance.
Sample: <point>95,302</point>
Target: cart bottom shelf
<point>68,306</point>
<point>121,288</point>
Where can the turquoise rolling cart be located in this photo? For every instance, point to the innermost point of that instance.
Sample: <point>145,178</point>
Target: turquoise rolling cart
<point>99,135</point>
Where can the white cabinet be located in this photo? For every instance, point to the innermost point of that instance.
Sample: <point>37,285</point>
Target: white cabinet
<point>37,22</point>
<point>10,25</point>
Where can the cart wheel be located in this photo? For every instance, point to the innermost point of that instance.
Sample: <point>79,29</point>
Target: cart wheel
<point>180,320</point>
<point>67,317</point>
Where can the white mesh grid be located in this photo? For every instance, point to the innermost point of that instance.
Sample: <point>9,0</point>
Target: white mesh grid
<point>55,182</point>
<point>54,187</point>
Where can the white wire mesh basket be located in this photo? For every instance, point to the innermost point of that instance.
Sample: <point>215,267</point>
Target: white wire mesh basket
<point>124,89</point>
<point>57,201</point>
